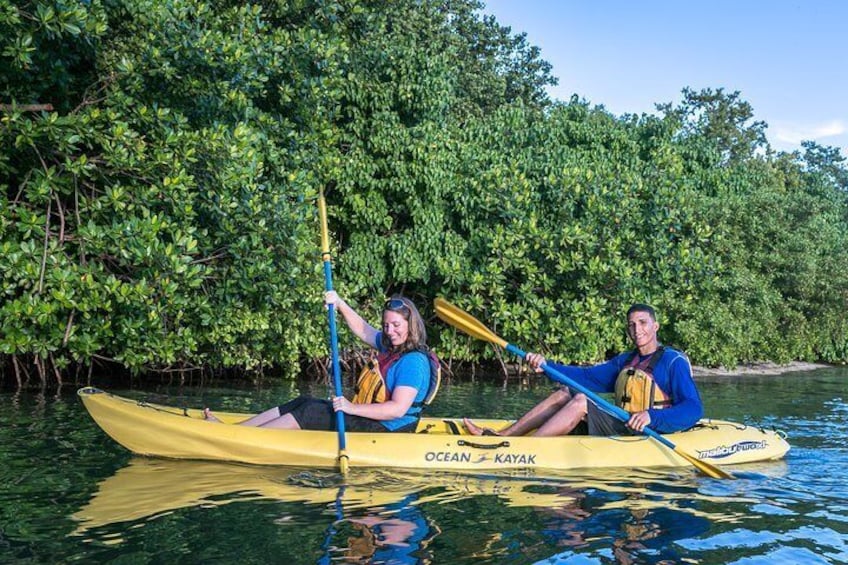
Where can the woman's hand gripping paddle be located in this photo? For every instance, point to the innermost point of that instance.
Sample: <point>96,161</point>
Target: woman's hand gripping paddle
<point>473,327</point>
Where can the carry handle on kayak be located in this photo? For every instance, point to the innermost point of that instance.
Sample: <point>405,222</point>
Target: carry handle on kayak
<point>464,442</point>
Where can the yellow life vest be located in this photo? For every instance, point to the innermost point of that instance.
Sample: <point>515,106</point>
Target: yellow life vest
<point>371,385</point>
<point>635,388</point>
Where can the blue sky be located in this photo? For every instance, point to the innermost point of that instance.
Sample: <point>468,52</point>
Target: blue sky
<point>788,59</point>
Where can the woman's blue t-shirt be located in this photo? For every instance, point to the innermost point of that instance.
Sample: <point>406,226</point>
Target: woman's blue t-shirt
<point>413,370</point>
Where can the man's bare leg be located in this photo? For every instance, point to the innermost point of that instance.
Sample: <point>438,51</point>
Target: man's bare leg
<point>535,418</point>
<point>476,430</point>
<point>565,420</point>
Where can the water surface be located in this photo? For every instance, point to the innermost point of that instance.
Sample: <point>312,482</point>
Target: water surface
<point>70,494</point>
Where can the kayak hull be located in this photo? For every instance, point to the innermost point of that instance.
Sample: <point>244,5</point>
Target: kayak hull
<point>439,443</point>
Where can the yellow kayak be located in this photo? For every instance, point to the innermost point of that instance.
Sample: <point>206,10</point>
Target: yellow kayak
<point>439,443</point>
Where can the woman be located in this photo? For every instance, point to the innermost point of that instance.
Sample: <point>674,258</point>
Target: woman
<point>390,392</point>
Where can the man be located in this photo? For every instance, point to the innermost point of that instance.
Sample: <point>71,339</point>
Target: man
<point>654,383</point>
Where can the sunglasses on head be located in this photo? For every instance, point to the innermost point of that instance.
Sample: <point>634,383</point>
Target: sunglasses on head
<point>395,304</point>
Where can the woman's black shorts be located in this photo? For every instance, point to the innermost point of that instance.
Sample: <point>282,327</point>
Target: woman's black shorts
<point>318,414</point>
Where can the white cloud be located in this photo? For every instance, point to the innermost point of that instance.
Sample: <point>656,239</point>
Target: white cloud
<point>796,133</point>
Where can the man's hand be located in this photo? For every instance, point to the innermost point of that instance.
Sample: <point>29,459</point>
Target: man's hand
<point>639,421</point>
<point>535,360</point>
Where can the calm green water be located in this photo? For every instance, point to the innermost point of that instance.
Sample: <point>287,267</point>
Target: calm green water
<point>69,494</point>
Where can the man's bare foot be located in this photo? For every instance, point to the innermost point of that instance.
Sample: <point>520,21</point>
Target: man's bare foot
<point>476,430</point>
<point>208,415</point>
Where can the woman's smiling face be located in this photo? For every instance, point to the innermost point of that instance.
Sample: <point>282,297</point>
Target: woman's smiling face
<point>395,327</point>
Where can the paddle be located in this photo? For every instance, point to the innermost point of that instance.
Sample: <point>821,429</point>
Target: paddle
<point>473,327</point>
<point>334,340</point>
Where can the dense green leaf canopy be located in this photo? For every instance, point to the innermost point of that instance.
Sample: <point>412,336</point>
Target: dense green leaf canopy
<point>160,162</point>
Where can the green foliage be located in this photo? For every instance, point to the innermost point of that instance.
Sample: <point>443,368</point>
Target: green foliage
<point>163,214</point>
<point>491,65</point>
<point>48,50</point>
<point>570,215</point>
<point>558,210</point>
<point>168,222</point>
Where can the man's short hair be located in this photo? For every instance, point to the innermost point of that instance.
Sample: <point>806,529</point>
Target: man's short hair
<point>638,307</point>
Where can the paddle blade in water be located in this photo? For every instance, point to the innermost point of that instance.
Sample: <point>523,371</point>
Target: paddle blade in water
<point>706,468</point>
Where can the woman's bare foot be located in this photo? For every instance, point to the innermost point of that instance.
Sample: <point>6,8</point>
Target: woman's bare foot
<point>476,430</point>
<point>208,415</point>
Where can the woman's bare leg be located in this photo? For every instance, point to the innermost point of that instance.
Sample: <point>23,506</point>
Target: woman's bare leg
<point>270,418</point>
<point>284,422</point>
<point>262,418</point>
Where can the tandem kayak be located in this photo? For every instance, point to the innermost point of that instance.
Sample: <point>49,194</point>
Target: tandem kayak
<point>439,443</point>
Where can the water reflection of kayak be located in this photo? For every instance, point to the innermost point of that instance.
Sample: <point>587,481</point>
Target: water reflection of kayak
<point>439,443</point>
<point>147,488</point>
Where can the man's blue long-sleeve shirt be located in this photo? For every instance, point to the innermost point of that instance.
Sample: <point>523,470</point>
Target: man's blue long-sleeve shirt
<point>673,376</point>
